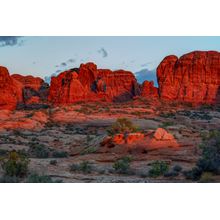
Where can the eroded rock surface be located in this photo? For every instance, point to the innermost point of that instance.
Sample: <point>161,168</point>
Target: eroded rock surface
<point>194,77</point>
<point>91,84</point>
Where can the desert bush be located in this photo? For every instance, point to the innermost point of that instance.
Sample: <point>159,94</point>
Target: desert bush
<point>177,168</point>
<point>30,115</point>
<point>60,154</point>
<point>122,125</point>
<point>210,157</point>
<point>15,164</point>
<point>167,115</point>
<point>167,124</point>
<point>207,136</point>
<point>158,168</point>
<point>39,150</point>
<point>89,150</point>
<point>171,174</point>
<point>3,152</point>
<point>84,167</point>
<point>35,178</point>
<point>206,107</point>
<point>53,162</point>
<point>122,165</point>
<point>193,174</point>
<point>9,179</point>
<point>206,177</point>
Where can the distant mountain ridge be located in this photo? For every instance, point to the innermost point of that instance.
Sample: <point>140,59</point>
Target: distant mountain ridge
<point>146,74</point>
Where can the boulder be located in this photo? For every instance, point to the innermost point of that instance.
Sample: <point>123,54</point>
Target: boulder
<point>162,135</point>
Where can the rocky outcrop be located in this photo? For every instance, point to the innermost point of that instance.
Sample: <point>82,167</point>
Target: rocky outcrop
<point>148,90</point>
<point>66,88</point>
<point>10,90</point>
<point>138,142</point>
<point>34,89</point>
<point>162,135</point>
<point>194,77</point>
<point>91,84</point>
<point>17,120</point>
<point>18,90</point>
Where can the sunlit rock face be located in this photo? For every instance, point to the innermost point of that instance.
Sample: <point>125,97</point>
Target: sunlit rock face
<point>21,90</point>
<point>148,90</point>
<point>194,77</point>
<point>34,89</point>
<point>91,84</point>
<point>139,142</point>
<point>10,90</point>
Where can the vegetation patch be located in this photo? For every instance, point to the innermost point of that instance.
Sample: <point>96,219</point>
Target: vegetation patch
<point>35,178</point>
<point>122,125</point>
<point>84,167</point>
<point>209,161</point>
<point>15,165</point>
<point>158,168</point>
<point>122,165</point>
<point>59,154</point>
<point>167,124</point>
<point>39,150</point>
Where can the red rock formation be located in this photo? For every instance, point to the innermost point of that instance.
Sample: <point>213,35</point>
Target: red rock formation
<point>194,77</point>
<point>138,142</point>
<point>90,83</point>
<point>34,89</point>
<point>29,81</point>
<point>17,89</point>
<point>66,88</point>
<point>127,139</point>
<point>148,89</point>
<point>161,134</point>
<point>10,90</point>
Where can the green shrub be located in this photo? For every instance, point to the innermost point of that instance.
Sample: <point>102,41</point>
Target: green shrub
<point>122,165</point>
<point>122,125</point>
<point>3,152</point>
<point>171,174</point>
<point>177,168</point>
<point>167,115</point>
<point>207,177</point>
<point>84,167</point>
<point>53,162</point>
<point>89,150</point>
<point>39,150</point>
<point>167,124</point>
<point>60,154</point>
<point>193,174</point>
<point>9,179</point>
<point>158,168</point>
<point>206,107</point>
<point>210,157</point>
<point>35,178</point>
<point>15,165</point>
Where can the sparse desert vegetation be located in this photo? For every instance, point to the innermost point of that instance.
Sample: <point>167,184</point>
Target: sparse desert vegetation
<point>115,143</point>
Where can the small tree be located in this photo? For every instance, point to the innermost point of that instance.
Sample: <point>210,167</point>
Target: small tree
<point>122,125</point>
<point>158,168</point>
<point>209,161</point>
<point>122,165</point>
<point>15,165</point>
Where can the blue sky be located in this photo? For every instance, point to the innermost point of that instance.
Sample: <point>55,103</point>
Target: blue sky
<point>43,56</point>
